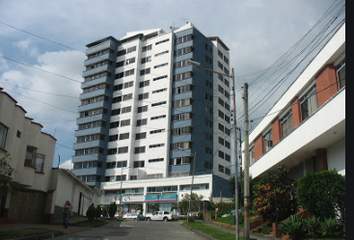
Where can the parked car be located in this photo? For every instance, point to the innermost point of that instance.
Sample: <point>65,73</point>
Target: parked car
<point>130,216</point>
<point>232,213</point>
<point>160,216</point>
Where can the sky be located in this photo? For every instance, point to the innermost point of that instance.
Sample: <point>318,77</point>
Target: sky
<point>42,45</point>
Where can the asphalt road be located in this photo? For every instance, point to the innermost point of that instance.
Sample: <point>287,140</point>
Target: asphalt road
<point>132,230</point>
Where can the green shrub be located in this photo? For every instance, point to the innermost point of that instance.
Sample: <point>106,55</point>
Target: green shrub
<point>323,194</point>
<point>313,227</point>
<point>331,228</point>
<point>98,211</point>
<point>293,227</point>
<point>112,210</point>
<point>91,212</point>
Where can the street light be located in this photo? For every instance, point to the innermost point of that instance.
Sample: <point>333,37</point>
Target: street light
<point>198,64</point>
<point>190,198</point>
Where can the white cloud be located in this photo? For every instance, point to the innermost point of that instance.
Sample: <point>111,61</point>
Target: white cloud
<point>67,165</point>
<point>26,47</point>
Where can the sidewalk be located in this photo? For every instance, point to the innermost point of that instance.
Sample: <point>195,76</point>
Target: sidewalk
<point>54,229</point>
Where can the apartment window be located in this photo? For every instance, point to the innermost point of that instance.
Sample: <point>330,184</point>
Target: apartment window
<point>183,39</point>
<point>146,59</point>
<point>251,151</point>
<point>180,161</point>
<point>221,168</point>
<point>341,74</point>
<point>93,112</point>
<point>157,131</point>
<point>158,117</point>
<point>30,156</point>
<point>113,138</point>
<point>286,124</point>
<point>96,76</point>
<point>121,177</point>
<point>125,123</point>
<point>156,145</point>
<point>133,177</point>
<point>161,65</point>
<point>158,104</point>
<point>182,89</point>
<point>182,76</point>
<point>208,151</point>
<point>160,90</point>
<point>122,150</point>
<point>143,96</point>
<point>147,48</point>
<point>144,71</point>
<point>182,63</point>
<point>139,164</point>
<point>88,151</point>
<point>181,116</point>
<point>156,160</point>
<point>144,84</point>
<point>180,145</point>
<point>181,131</point>
<point>121,164</point>
<point>3,134</point>
<point>95,88</point>
<point>161,53</point>
<point>208,110</point>
<point>126,62</point>
<point>112,151</point>
<point>92,125</point>
<point>182,103</point>
<point>89,138</point>
<point>142,109</point>
<point>139,150</point>
<point>126,109</point>
<point>267,141</point>
<point>111,165</point>
<point>208,123</point>
<point>123,136</point>
<point>159,78</point>
<point>141,122</point>
<point>140,136</point>
<point>308,103</point>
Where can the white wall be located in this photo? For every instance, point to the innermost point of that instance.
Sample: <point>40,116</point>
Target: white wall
<point>336,157</point>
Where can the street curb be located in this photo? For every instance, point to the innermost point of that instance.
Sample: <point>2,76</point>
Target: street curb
<point>41,236</point>
<point>199,232</point>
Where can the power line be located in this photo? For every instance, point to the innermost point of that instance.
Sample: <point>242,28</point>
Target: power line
<point>41,69</point>
<point>40,37</point>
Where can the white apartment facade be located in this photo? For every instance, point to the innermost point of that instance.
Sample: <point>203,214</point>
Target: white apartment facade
<point>305,129</point>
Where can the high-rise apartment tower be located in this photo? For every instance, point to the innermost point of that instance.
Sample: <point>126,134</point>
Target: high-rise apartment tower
<point>146,114</point>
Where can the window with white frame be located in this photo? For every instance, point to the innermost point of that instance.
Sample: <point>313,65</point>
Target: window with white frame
<point>340,68</point>
<point>3,134</point>
<point>267,141</point>
<point>308,103</point>
<point>286,124</point>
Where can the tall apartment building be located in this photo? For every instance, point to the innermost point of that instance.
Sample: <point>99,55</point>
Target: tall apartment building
<point>146,114</point>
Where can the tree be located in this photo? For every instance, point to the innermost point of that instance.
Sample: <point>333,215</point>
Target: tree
<point>184,203</point>
<point>91,212</point>
<point>5,173</point>
<point>153,207</point>
<point>273,199</point>
<point>112,210</point>
<point>98,210</point>
<point>5,169</point>
<point>323,194</point>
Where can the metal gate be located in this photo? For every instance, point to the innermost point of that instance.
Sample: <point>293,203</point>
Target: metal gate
<point>27,206</point>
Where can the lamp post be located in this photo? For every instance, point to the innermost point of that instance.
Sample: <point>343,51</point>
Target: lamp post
<point>197,64</point>
<point>190,198</point>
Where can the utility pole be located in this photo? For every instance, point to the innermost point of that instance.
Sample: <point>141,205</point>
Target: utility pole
<point>247,202</point>
<point>236,157</point>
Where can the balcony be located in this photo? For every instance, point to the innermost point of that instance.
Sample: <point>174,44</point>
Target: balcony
<point>96,70</point>
<point>99,47</point>
<point>322,130</point>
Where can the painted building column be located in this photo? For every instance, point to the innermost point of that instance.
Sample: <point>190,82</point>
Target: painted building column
<point>276,133</point>
<point>295,110</point>
<point>326,84</point>
<point>258,148</point>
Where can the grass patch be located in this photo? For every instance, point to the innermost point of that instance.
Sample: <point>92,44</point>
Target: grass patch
<point>22,233</point>
<point>92,223</point>
<point>216,233</point>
